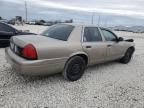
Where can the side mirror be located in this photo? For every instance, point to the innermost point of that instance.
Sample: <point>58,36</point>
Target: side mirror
<point>120,39</point>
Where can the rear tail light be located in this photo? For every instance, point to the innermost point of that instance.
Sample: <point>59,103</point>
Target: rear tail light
<point>29,52</point>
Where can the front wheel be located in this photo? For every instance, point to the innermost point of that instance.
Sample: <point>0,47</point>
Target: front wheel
<point>127,57</point>
<point>74,68</point>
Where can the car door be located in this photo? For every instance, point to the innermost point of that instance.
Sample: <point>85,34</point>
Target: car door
<point>93,45</point>
<point>114,47</point>
<point>5,33</point>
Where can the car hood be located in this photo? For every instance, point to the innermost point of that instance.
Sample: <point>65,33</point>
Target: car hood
<point>36,40</point>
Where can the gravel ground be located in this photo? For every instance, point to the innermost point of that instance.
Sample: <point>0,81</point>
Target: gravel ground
<point>109,85</point>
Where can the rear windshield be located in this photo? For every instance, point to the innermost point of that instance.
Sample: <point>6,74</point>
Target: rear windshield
<point>59,31</point>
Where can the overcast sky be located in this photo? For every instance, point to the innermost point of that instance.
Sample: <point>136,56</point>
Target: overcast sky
<point>111,12</point>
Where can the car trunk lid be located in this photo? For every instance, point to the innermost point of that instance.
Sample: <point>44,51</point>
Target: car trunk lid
<point>21,41</point>
<point>17,43</point>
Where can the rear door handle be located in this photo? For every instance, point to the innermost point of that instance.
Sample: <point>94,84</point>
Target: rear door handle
<point>109,45</point>
<point>88,46</point>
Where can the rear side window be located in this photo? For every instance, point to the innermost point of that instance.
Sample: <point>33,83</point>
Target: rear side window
<point>92,34</point>
<point>6,28</point>
<point>59,31</point>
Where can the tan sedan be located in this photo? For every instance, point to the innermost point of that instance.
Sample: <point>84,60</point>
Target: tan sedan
<point>67,48</point>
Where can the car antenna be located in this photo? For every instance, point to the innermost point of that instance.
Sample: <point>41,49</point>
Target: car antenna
<point>26,10</point>
<point>99,18</point>
<point>92,18</point>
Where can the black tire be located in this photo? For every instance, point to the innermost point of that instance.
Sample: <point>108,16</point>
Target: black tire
<point>127,57</point>
<point>74,68</point>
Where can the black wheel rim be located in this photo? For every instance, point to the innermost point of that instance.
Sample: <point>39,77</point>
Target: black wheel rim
<point>75,69</point>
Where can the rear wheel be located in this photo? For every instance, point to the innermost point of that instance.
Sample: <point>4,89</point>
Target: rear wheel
<point>127,57</point>
<point>74,68</point>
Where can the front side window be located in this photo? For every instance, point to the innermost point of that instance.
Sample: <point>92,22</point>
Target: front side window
<point>109,36</point>
<point>59,31</point>
<point>92,34</point>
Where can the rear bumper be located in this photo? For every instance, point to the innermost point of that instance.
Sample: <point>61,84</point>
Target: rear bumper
<point>34,67</point>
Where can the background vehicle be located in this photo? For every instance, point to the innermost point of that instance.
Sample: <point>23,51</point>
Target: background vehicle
<point>6,32</point>
<point>32,22</point>
<point>12,21</point>
<point>40,22</point>
<point>68,48</point>
<point>48,24</point>
<point>4,21</point>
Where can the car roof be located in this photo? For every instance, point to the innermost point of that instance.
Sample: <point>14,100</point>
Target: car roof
<point>86,25</point>
<point>79,24</point>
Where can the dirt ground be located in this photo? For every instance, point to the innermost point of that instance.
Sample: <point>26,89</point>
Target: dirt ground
<point>109,85</point>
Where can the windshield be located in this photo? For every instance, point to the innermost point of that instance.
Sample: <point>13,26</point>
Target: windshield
<point>59,31</point>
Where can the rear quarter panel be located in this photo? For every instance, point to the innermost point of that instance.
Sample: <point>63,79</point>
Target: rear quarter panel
<point>61,49</point>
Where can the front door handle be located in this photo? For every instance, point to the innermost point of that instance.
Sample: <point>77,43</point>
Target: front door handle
<point>88,46</point>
